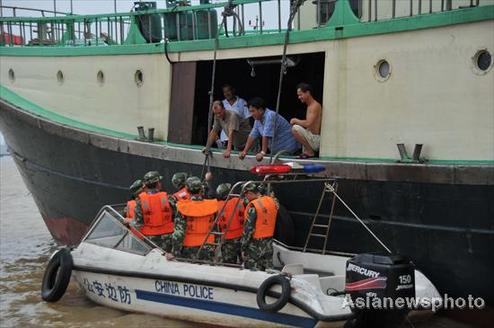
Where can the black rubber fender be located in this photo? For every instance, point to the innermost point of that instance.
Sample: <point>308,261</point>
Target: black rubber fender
<point>285,229</point>
<point>57,276</point>
<point>266,286</point>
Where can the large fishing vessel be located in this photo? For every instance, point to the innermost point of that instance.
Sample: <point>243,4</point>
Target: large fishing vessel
<point>390,75</point>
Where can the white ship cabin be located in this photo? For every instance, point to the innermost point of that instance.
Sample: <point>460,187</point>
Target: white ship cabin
<point>411,70</point>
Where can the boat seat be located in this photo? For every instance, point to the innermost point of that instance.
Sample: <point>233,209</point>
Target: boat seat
<point>332,283</point>
<point>313,279</point>
<point>293,268</point>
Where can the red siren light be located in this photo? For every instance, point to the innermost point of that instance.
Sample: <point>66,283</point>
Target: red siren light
<point>270,169</point>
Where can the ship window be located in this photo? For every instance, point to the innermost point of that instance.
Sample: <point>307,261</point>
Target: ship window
<point>382,70</point>
<point>100,77</point>
<point>483,60</point>
<point>11,75</point>
<point>139,77</point>
<point>60,77</point>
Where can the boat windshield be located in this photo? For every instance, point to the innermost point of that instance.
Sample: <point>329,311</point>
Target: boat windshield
<point>109,231</point>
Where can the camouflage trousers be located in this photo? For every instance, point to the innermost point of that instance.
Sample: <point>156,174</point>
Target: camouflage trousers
<point>163,241</point>
<point>259,254</point>
<point>207,253</point>
<point>230,251</point>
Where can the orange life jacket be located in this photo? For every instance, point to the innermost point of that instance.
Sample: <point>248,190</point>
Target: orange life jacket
<point>156,213</point>
<point>131,208</point>
<point>266,216</point>
<point>130,215</point>
<point>237,221</point>
<point>182,194</point>
<point>200,217</point>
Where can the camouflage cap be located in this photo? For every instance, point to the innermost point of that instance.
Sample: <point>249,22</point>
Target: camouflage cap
<point>251,187</point>
<point>194,185</point>
<point>178,179</point>
<point>136,187</point>
<point>152,177</point>
<point>222,190</point>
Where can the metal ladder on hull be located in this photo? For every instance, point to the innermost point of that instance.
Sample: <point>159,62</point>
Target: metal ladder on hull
<point>329,188</point>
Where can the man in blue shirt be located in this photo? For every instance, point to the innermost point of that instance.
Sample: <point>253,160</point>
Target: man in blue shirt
<point>274,130</point>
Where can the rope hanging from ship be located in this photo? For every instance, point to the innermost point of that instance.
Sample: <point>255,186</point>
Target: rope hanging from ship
<point>295,5</point>
<point>167,40</point>
<point>332,189</point>
<point>228,12</point>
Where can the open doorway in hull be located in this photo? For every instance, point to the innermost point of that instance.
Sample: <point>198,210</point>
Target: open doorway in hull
<point>238,72</point>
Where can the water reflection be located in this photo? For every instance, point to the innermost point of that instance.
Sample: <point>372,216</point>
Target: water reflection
<point>25,246</point>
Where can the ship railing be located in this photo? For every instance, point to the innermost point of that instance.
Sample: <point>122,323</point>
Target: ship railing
<point>202,22</point>
<point>375,10</point>
<point>15,11</point>
<point>179,23</point>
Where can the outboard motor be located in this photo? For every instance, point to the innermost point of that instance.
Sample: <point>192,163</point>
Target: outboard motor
<point>380,287</point>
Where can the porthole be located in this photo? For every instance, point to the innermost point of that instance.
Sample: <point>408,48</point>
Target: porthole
<point>60,77</point>
<point>139,77</point>
<point>482,61</point>
<point>382,70</point>
<point>100,77</point>
<point>11,75</point>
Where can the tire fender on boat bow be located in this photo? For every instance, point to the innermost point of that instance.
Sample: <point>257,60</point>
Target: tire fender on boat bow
<point>57,275</point>
<point>264,289</point>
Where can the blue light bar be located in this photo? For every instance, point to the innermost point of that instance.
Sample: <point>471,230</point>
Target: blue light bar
<point>314,168</point>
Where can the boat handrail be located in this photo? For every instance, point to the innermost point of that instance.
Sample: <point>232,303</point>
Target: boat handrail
<point>239,195</point>
<point>330,186</point>
<point>312,250</point>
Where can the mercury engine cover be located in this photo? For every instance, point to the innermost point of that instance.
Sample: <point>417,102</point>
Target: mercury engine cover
<point>374,282</point>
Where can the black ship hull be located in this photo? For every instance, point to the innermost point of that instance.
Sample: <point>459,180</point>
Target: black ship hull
<point>442,217</point>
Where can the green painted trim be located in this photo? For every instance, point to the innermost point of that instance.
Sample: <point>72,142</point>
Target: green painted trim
<point>343,15</point>
<point>461,162</point>
<point>32,108</point>
<point>134,36</point>
<point>330,32</point>
<point>76,51</point>
<point>394,161</point>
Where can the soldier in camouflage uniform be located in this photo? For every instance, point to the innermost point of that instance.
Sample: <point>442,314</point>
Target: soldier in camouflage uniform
<point>257,237</point>
<point>230,249</point>
<point>135,189</point>
<point>152,184</point>
<point>178,182</point>
<point>184,225</point>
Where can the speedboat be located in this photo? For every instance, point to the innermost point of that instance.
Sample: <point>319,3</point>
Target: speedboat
<point>117,267</point>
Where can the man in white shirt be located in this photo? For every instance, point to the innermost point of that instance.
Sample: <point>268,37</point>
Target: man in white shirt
<point>235,104</point>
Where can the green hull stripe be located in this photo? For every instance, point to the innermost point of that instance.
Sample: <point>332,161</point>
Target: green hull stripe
<point>330,32</point>
<point>32,108</point>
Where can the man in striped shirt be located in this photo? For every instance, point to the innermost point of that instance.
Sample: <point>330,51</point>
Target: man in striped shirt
<point>274,130</point>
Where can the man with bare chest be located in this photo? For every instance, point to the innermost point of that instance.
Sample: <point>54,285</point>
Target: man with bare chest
<point>308,131</point>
